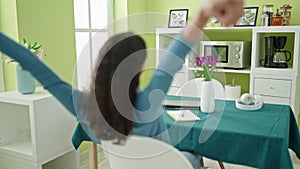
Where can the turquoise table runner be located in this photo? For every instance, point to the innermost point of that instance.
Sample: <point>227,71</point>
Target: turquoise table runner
<point>259,138</point>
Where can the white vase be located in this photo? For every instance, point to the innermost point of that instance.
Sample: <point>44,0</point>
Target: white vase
<point>207,97</point>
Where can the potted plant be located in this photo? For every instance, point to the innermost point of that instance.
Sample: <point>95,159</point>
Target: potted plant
<point>25,81</point>
<point>208,63</point>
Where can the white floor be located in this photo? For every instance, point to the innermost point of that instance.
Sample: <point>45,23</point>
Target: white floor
<point>214,164</point>
<point>103,162</point>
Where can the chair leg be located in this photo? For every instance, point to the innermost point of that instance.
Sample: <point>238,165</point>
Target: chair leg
<point>93,160</point>
<point>201,162</point>
<point>221,165</point>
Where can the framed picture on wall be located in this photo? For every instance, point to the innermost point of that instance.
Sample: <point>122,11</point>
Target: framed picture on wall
<point>178,18</point>
<point>249,17</point>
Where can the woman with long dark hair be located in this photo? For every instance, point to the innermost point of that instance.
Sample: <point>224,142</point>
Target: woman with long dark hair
<point>114,107</point>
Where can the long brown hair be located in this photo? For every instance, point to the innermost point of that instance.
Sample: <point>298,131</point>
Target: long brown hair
<point>102,114</point>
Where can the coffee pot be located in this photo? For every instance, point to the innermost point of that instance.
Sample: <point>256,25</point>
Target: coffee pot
<point>275,57</point>
<point>280,57</point>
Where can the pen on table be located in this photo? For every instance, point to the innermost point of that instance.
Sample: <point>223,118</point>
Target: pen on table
<point>182,114</point>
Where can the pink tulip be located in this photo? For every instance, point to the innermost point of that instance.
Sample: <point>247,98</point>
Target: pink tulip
<point>214,60</point>
<point>40,54</point>
<point>207,63</point>
<point>205,60</point>
<point>199,61</point>
<point>8,60</point>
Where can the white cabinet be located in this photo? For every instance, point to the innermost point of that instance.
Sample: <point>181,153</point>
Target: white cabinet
<point>164,37</point>
<point>276,85</point>
<point>35,132</point>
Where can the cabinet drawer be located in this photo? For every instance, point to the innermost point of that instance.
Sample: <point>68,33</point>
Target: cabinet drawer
<point>272,87</point>
<point>276,100</point>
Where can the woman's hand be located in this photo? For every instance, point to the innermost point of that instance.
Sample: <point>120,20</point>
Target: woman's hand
<point>226,11</point>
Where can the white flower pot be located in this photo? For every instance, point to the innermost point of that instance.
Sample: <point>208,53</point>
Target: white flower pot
<point>207,97</point>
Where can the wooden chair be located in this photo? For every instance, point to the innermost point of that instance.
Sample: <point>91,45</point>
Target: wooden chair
<point>192,88</point>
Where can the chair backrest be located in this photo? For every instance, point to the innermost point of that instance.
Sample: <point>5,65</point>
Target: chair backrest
<point>192,88</point>
<point>144,153</point>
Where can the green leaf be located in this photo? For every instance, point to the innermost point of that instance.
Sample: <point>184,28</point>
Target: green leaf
<point>206,73</point>
<point>24,40</point>
<point>34,45</point>
<point>37,47</point>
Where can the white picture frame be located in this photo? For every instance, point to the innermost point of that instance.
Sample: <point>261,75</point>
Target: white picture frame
<point>249,17</point>
<point>178,18</point>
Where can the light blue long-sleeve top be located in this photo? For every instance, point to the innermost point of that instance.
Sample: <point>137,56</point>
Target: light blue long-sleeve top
<point>148,120</point>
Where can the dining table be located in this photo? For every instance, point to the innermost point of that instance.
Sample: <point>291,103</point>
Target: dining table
<point>257,138</point>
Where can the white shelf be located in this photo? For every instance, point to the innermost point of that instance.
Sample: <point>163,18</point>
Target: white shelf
<point>278,29</point>
<point>243,71</point>
<point>168,30</point>
<point>229,28</point>
<point>14,97</point>
<point>27,140</point>
<point>178,30</point>
<point>259,29</point>
<point>18,147</point>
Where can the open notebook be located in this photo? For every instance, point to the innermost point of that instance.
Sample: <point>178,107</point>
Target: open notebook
<point>190,104</point>
<point>182,115</point>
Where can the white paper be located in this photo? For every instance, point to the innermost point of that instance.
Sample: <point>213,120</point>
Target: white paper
<point>183,115</point>
<point>182,103</point>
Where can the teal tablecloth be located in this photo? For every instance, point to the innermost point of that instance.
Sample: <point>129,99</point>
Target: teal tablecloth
<point>259,138</point>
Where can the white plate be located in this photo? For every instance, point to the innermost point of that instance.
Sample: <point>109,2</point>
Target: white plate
<point>258,103</point>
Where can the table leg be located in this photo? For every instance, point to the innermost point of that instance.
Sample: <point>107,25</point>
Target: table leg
<point>221,165</point>
<point>93,160</point>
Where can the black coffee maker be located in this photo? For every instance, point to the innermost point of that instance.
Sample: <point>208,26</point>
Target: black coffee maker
<point>275,57</point>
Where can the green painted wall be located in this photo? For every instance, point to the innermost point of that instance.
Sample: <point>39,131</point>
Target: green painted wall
<point>50,23</point>
<point>8,18</point>
<point>9,26</point>
<point>120,16</point>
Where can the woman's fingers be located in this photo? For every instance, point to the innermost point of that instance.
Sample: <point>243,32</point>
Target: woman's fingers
<point>226,11</point>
